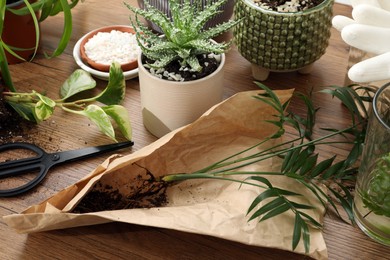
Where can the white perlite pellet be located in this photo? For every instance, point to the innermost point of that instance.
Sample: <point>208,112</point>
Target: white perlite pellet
<point>115,46</point>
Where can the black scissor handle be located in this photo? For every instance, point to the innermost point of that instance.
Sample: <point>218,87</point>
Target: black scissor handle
<point>29,185</point>
<point>20,162</point>
<point>21,166</point>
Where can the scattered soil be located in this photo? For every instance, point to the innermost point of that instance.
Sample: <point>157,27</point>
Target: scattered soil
<point>147,192</point>
<point>12,126</point>
<point>174,71</point>
<point>287,5</point>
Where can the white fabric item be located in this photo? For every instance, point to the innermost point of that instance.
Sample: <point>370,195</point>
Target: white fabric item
<point>369,31</point>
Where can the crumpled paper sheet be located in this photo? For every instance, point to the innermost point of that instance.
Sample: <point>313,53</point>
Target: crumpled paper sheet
<point>210,207</point>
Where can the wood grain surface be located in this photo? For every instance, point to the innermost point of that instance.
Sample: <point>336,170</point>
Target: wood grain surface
<point>124,241</point>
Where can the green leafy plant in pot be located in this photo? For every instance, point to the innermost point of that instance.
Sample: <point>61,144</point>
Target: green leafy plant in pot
<point>181,72</point>
<point>20,30</point>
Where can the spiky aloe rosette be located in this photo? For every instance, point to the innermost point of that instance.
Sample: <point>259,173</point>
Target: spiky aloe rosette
<point>184,35</point>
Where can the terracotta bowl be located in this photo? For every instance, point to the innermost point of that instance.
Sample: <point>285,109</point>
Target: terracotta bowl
<point>104,67</point>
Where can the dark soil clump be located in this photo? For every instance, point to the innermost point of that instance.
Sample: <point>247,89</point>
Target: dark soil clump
<point>12,125</point>
<point>175,72</point>
<point>147,194</point>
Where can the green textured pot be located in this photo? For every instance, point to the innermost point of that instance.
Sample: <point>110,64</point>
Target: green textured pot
<point>282,42</point>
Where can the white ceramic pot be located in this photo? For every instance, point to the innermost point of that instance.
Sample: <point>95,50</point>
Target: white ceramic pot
<point>168,105</point>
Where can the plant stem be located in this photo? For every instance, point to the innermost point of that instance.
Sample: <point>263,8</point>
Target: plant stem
<point>265,156</point>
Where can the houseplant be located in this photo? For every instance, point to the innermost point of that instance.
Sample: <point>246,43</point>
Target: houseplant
<point>32,12</point>
<point>282,41</point>
<point>185,52</point>
<point>37,107</point>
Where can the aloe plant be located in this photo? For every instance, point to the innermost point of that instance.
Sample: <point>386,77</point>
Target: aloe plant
<point>184,35</point>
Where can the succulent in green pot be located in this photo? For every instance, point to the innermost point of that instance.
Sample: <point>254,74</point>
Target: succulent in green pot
<point>282,36</point>
<point>180,72</point>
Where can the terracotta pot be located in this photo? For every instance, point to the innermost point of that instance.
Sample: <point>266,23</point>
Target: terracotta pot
<point>133,64</point>
<point>168,105</point>
<point>19,32</point>
<point>281,42</point>
<point>163,6</point>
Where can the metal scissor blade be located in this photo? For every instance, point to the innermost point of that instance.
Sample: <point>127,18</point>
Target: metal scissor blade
<point>73,155</point>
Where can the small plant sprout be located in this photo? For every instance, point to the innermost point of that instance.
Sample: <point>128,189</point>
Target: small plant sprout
<point>184,35</point>
<point>37,107</point>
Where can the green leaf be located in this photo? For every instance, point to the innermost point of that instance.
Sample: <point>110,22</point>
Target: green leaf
<point>308,164</point>
<point>306,237</point>
<point>264,195</point>
<point>301,206</point>
<point>25,110</point>
<point>67,29</point>
<point>276,211</point>
<point>297,231</point>
<point>100,118</point>
<point>260,179</point>
<point>333,170</point>
<point>77,82</point>
<point>347,205</point>
<point>42,111</point>
<point>122,119</point>
<point>44,108</point>
<point>322,166</point>
<point>312,221</point>
<point>116,88</point>
<point>267,207</point>
<point>290,159</point>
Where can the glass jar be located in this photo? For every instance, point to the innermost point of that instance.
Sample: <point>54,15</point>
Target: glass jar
<point>372,197</point>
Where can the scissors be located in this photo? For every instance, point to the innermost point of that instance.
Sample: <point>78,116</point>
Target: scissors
<point>43,161</point>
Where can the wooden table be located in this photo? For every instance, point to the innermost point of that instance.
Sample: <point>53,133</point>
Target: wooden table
<point>124,241</point>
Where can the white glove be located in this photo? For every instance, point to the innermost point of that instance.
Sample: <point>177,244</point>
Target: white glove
<point>369,30</point>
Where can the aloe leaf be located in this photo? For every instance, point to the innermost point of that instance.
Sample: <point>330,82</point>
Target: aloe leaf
<point>115,91</point>
<point>77,82</point>
<point>122,119</point>
<point>100,118</point>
